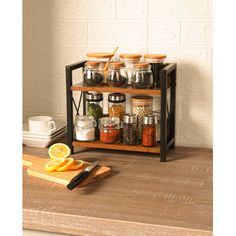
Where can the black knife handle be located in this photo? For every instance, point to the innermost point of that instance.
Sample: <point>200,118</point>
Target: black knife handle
<point>77,180</point>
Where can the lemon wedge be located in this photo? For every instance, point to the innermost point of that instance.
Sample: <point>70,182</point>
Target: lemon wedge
<point>59,150</point>
<point>67,165</point>
<point>78,164</point>
<point>55,164</point>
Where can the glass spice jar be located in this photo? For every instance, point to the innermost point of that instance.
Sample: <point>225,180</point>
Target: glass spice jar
<point>92,75</point>
<point>102,58</point>
<point>157,62</point>
<point>130,59</point>
<point>141,106</point>
<point>157,117</point>
<point>130,129</point>
<point>110,130</point>
<point>142,76</point>
<point>94,105</point>
<point>116,105</point>
<point>149,131</point>
<point>85,128</point>
<point>117,74</point>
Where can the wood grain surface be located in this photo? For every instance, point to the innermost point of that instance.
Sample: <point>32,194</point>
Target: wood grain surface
<point>117,146</point>
<point>142,196</point>
<point>36,168</point>
<point>108,89</point>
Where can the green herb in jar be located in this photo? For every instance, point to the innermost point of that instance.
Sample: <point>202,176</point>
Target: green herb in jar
<point>95,110</point>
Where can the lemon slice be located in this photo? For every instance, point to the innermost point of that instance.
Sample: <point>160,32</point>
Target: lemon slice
<point>67,165</point>
<point>55,164</point>
<point>59,150</point>
<point>78,164</point>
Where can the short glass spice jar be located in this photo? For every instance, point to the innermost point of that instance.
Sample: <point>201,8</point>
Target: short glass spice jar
<point>142,76</point>
<point>117,74</point>
<point>157,117</point>
<point>130,59</point>
<point>149,131</point>
<point>110,130</point>
<point>92,75</point>
<point>102,58</point>
<point>157,62</point>
<point>130,129</point>
<point>85,128</point>
<point>116,105</point>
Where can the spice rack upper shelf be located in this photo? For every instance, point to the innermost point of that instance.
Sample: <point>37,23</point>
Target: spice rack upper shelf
<point>117,146</point>
<point>105,88</point>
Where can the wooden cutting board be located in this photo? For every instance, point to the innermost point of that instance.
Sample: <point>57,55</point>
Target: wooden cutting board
<point>36,168</point>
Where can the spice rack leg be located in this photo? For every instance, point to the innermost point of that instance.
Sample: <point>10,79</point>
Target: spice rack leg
<point>173,105</point>
<point>69,108</point>
<point>69,101</point>
<point>163,146</point>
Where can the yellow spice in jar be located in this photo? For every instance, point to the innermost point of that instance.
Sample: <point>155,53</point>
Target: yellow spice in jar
<point>117,111</point>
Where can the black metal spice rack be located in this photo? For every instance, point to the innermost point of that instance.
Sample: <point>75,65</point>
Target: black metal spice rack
<point>167,81</point>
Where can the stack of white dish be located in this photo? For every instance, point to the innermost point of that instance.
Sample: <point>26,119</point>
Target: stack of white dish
<point>36,136</point>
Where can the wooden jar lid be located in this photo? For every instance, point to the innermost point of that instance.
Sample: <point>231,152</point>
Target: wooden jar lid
<point>141,65</point>
<point>154,56</point>
<point>92,63</point>
<point>117,64</point>
<point>100,55</point>
<point>130,56</point>
<point>141,98</point>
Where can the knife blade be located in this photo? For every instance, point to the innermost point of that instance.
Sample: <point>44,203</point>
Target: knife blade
<point>82,176</point>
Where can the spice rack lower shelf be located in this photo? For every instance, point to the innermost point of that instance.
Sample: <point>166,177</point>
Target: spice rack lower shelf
<point>117,146</point>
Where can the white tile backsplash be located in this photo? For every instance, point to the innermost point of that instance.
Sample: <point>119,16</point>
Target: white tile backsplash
<point>60,32</point>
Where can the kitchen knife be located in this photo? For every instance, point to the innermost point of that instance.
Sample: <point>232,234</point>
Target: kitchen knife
<point>82,176</point>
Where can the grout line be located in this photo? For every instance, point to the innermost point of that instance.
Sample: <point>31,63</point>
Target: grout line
<point>147,25</point>
<point>87,32</point>
<point>180,33</point>
<point>116,9</point>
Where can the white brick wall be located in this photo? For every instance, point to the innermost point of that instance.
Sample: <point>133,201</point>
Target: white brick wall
<point>60,32</point>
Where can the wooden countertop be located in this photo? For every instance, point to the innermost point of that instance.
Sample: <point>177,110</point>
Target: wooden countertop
<point>141,197</point>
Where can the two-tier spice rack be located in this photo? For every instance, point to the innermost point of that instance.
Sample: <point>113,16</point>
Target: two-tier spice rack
<point>168,81</point>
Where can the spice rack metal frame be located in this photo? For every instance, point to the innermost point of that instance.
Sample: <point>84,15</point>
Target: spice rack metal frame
<point>167,126</point>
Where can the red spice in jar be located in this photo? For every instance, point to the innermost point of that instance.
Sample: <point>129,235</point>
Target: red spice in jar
<point>109,134</point>
<point>149,135</point>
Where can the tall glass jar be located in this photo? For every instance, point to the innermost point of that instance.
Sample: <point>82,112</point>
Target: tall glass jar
<point>103,58</point>
<point>149,131</point>
<point>92,75</point>
<point>116,105</point>
<point>130,59</point>
<point>130,129</point>
<point>85,128</point>
<point>141,106</point>
<point>142,76</point>
<point>117,75</point>
<point>157,116</point>
<point>94,107</point>
<point>110,130</point>
<point>94,104</point>
<point>157,62</point>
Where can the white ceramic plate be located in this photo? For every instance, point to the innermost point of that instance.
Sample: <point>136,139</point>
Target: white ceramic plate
<point>60,126</point>
<point>29,136</point>
<point>33,142</point>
